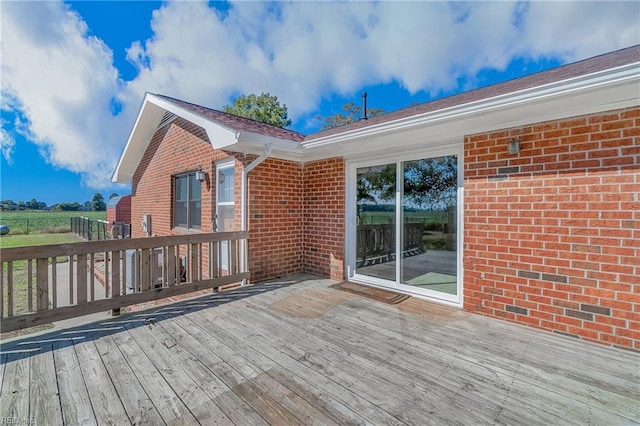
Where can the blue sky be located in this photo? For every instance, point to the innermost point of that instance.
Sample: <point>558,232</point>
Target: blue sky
<point>74,74</point>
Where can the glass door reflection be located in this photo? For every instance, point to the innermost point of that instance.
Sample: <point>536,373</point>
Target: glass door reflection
<point>429,216</point>
<point>376,221</point>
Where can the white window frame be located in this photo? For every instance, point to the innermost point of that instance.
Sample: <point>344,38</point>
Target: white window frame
<point>190,176</point>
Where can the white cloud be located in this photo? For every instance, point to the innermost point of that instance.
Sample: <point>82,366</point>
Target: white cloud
<point>62,81</point>
<point>65,79</point>
<point>7,142</point>
<point>306,51</point>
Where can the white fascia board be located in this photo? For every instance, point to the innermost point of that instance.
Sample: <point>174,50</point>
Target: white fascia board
<point>628,75</point>
<point>452,130</point>
<point>151,112</point>
<point>141,133</point>
<point>223,137</point>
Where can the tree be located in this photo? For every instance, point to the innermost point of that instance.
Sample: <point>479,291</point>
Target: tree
<point>68,207</point>
<point>113,195</point>
<point>264,108</point>
<point>429,184</point>
<point>352,113</point>
<point>97,203</point>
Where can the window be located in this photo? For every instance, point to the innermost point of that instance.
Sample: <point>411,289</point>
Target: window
<point>225,198</point>
<point>187,203</point>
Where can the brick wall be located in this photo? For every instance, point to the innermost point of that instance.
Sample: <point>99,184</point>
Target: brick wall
<point>324,218</point>
<point>177,148</point>
<point>275,219</point>
<point>552,234</point>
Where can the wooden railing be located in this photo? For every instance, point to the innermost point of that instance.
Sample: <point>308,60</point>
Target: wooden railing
<point>43,284</point>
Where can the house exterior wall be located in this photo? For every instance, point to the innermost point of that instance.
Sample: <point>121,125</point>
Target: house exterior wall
<point>176,148</point>
<point>552,234</point>
<point>275,219</point>
<point>324,218</point>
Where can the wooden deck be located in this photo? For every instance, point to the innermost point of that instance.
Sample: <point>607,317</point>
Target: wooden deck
<point>299,352</point>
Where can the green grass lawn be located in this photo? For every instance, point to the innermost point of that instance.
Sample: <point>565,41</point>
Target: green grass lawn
<point>32,222</point>
<point>20,240</point>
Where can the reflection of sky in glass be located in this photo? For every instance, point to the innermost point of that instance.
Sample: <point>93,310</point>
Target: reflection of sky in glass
<point>226,185</point>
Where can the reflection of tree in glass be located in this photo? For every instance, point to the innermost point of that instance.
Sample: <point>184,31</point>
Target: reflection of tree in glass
<point>431,183</point>
<point>377,184</point>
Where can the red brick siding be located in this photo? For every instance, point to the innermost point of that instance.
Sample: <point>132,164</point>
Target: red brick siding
<point>324,218</point>
<point>178,148</point>
<point>275,219</point>
<point>552,234</point>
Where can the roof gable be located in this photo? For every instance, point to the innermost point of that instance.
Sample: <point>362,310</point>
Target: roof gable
<point>224,131</point>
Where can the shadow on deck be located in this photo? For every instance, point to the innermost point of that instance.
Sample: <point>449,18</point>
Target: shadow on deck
<point>296,351</point>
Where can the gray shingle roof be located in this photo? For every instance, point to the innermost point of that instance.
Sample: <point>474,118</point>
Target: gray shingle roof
<point>235,122</point>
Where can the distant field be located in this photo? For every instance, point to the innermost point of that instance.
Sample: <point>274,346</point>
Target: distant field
<point>424,217</point>
<point>40,222</point>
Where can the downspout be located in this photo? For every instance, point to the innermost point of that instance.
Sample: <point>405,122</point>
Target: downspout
<point>245,203</point>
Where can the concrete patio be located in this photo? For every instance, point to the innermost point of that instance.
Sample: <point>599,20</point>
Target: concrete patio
<point>296,351</point>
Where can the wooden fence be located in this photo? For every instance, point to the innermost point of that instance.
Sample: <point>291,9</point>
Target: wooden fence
<point>43,284</point>
<point>89,229</point>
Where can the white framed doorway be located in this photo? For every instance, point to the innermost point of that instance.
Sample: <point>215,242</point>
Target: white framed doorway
<point>225,206</point>
<point>404,223</point>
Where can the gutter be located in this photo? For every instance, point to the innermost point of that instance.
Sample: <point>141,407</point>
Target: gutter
<point>245,202</point>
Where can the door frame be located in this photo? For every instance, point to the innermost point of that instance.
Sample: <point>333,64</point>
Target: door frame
<point>350,221</point>
<point>224,245</point>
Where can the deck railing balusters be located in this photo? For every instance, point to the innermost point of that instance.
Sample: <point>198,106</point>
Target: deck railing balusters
<point>30,285</point>
<point>10,289</point>
<point>54,282</point>
<point>92,277</point>
<point>42,274</point>
<point>157,271</point>
<point>71,258</point>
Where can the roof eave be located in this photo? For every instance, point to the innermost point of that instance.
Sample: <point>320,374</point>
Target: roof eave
<point>568,87</point>
<point>151,113</point>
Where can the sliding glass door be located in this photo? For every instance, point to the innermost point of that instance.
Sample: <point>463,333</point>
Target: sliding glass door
<point>406,225</point>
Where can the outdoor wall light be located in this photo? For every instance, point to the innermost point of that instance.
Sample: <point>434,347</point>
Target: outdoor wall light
<point>201,176</point>
<point>514,146</point>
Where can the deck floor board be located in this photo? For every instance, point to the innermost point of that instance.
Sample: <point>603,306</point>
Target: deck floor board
<point>300,352</point>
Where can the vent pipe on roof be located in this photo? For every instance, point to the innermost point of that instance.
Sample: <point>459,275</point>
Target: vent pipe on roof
<point>364,105</point>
